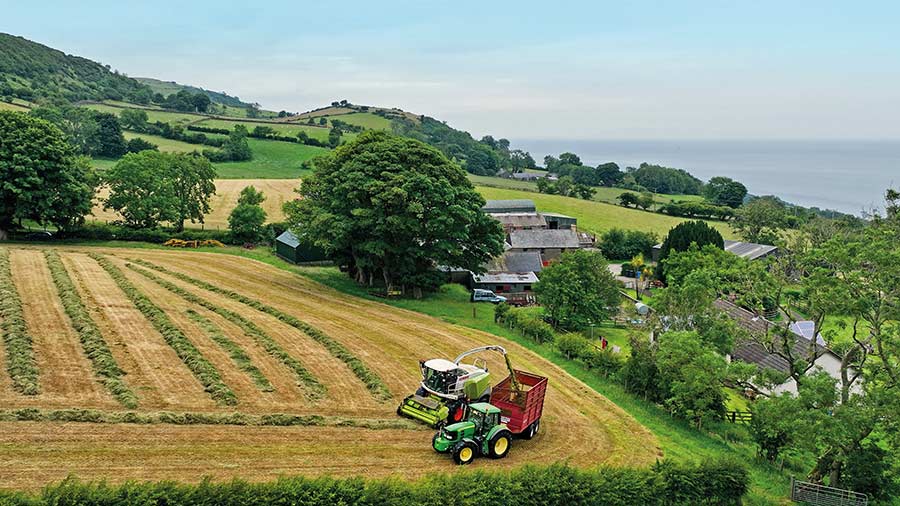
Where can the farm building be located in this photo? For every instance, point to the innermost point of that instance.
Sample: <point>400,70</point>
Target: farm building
<point>505,282</point>
<point>549,243</point>
<point>520,221</point>
<point>509,206</point>
<point>289,247</point>
<point>526,176</point>
<point>516,261</point>
<point>748,250</point>
<point>559,221</point>
<point>755,353</point>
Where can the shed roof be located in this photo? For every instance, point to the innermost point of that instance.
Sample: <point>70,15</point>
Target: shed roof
<point>511,278</point>
<point>502,206</point>
<point>533,239</point>
<point>520,219</point>
<point>526,176</point>
<point>516,261</point>
<point>749,250</point>
<point>288,237</point>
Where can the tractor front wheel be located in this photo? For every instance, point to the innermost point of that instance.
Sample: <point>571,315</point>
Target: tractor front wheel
<point>499,444</point>
<point>464,453</point>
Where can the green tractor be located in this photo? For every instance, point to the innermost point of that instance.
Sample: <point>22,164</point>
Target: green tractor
<point>481,433</point>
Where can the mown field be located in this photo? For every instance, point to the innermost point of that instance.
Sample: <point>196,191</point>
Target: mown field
<point>6,106</point>
<point>179,365</point>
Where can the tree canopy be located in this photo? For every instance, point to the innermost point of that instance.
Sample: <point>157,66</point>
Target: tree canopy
<point>396,208</point>
<point>42,179</point>
<point>578,289</point>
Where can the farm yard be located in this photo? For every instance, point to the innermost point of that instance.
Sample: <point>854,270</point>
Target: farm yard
<point>192,364</point>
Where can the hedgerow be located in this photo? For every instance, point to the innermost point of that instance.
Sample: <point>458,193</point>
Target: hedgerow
<point>372,381</point>
<point>95,347</point>
<point>20,361</point>
<point>237,354</point>
<point>313,388</point>
<point>165,417</point>
<point>710,483</point>
<point>204,371</point>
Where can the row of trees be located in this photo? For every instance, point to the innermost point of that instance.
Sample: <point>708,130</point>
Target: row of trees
<point>565,186</point>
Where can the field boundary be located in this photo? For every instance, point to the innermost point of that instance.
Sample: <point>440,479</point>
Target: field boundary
<point>237,354</point>
<point>20,359</point>
<point>198,418</point>
<point>92,342</point>
<point>203,370</point>
<point>312,387</point>
<point>373,382</point>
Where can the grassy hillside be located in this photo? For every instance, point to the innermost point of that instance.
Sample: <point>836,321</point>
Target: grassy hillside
<point>289,129</point>
<point>166,145</point>
<point>363,119</point>
<point>6,106</point>
<point>153,114</point>
<point>271,160</point>
<point>598,216</point>
<point>29,70</point>
<point>166,88</point>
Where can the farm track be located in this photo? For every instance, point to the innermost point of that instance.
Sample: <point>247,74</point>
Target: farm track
<point>66,374</point>
<point>580,426</point>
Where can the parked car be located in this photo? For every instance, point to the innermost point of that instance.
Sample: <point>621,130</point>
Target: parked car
<point>40,235</point>
<point>480,295</point>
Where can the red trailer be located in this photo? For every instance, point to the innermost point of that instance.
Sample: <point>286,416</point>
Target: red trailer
<point>521,410</point>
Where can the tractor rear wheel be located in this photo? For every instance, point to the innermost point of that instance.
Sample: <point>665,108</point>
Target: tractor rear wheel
<point>499,444</point>
<point>464,453</point>
<point>532,430</point>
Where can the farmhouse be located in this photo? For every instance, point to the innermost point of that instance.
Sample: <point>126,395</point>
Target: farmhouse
<point>750,351</point>
<point>289,247</point>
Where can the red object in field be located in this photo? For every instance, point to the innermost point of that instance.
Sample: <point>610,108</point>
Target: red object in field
<point>519,411</point>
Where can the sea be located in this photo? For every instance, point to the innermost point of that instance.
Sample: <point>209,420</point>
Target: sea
<point>847,176</point>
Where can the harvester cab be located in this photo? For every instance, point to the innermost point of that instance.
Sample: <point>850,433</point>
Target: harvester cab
<point>448,387</point>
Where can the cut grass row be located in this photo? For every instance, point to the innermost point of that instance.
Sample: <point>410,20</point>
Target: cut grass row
<point>237,354</point>
<point>373,382</point>
<point>95,347</point>
<point>310,384</point>
<point>20,360</point>
<point>205,372</point>
<point>189,418</point>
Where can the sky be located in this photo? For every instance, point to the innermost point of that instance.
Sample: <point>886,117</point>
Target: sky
<point>521,70</point>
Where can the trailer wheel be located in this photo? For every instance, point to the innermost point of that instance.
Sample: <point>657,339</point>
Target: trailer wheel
<point>532,430</point>
<point>499,444</point>
<point>464,453</point>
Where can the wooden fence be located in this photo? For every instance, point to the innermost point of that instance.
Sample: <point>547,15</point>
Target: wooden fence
<point>738,416</point>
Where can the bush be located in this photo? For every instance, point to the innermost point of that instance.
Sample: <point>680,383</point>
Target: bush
<point>106,232</point>
<point>670,484</point>
<point>572,345</point>
<point>618,243</point>
<point>607,362</point>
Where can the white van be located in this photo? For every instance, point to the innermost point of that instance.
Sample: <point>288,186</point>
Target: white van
<point>479,295</point>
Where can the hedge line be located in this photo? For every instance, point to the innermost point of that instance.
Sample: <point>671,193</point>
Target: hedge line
<point>237,354</point>
<point>20,361</point>
<point>95,347</point>
<point>204,371</point>
<point>372,381</point>
<point>165,417</point>
<point>666,484</point>
<point>529,325</point>
<point>312,387</point>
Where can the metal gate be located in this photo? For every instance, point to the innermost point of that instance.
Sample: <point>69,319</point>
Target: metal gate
<point>820,495</point>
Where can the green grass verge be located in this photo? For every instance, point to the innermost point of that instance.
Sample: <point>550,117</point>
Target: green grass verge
<point>95,347</point>
<point>20,360</point>
<point>306,380</point>
<point>373,382</point>
<point>271,160</point>
<point>598,217</point>
<point>188,418</point>
<point>237,354</point>
<point>203,370</point>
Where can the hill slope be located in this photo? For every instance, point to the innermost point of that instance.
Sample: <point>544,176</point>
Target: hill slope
<point>29,71</point>
<point>166,88</point>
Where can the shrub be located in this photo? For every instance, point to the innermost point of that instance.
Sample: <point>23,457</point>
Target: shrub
<point>20,361</point>
<point>205,372</point>
<point>607,362</point>
<point>572,345</point>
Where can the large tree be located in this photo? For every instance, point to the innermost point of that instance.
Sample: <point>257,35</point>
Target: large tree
<point>725,191</point>
<point>41,179</point>
<point>578,289</point>
<point>761,220</point>
<point>394,208</point>
<point>192,177</point>
<point>682,236</point>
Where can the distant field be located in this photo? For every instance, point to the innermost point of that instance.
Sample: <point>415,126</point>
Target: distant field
<point>364,119</point>
<point>6,106</point>
<point>271,159</point>
<point>289,129</point>
<point>603,194</point>
<point>167,145</point>
<point>598,216</point>
<point>327,111</point>
<point>153,115</point>
<point>277,191</point>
